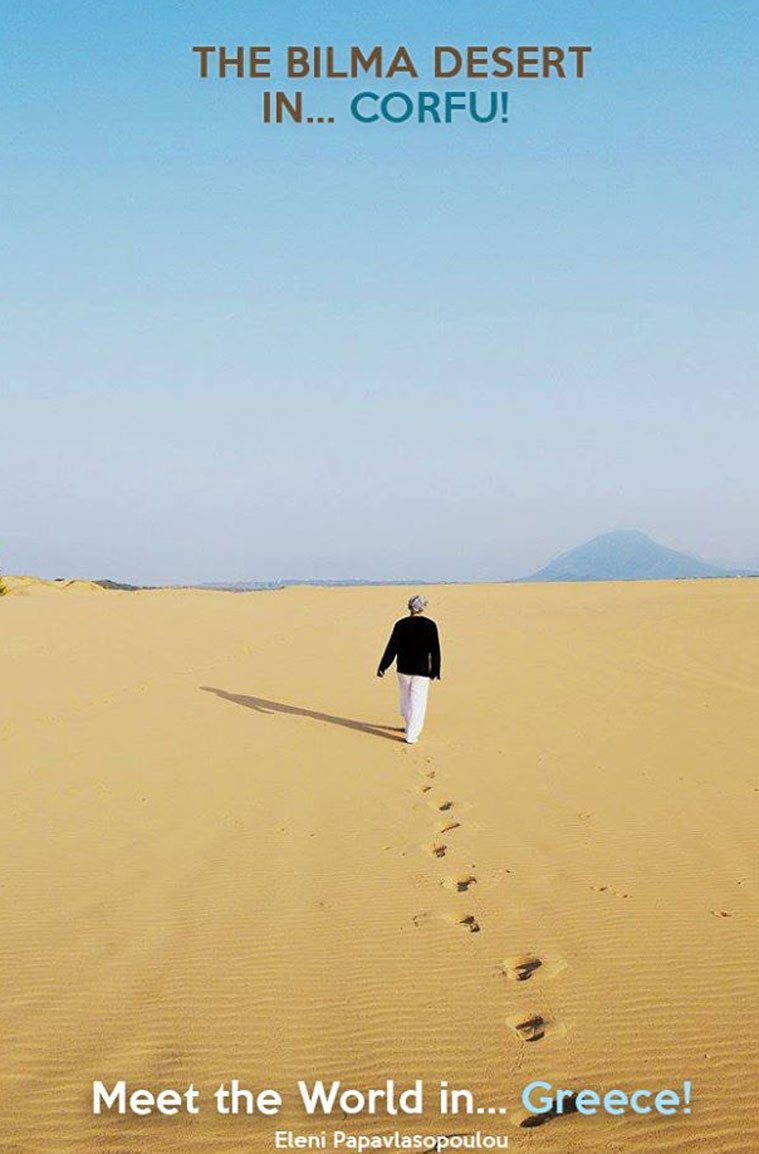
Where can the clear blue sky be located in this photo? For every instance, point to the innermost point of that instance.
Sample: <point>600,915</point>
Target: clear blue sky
<point>232,350</point>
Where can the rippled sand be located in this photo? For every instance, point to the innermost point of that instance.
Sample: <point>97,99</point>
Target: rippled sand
<point>221,861</point>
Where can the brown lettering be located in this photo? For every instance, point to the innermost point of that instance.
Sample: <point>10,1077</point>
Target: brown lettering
<point>297,61</point>
<point>527,58</point>
<point>477,57</point>
<point>501,58</point>
<point>205,52</point>
<point>440,72</point>
<point>234,60</point>
<point>402,62</point>
<point>579,54</point>
<point>366,63</point>
<point>259,60</point>
<point>552,58</point>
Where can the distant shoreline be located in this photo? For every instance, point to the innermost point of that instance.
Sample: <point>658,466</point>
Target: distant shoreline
<point>274,586</point>
<point>618,555</point>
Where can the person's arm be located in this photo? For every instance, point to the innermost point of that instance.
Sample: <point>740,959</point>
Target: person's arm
<point>435,654</point>
<point>391,652</point>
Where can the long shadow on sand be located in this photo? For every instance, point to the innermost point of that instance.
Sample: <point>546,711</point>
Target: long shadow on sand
<point>263,705</point>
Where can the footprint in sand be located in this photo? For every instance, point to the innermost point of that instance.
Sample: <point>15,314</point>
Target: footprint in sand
<point>424,788</point>
<point>437,849</point>
<point>447,826</point>
<point>444,806</point>
<point>720,913</point>
<point>521,967</point>
<point>470,923</point>
<point>608,890</point>
<point>531,1028</point>
<point>461,884</point>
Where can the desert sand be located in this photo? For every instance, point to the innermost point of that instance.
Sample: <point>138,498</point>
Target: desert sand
<point>221,861</point>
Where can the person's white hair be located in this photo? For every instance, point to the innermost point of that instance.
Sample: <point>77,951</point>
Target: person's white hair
<point>417,603</point>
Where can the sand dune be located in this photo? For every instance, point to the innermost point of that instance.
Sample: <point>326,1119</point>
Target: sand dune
<point>221,860</point>
<point>23,585</point>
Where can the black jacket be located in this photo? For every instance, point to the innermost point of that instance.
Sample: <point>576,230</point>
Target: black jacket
<point>415,642</point>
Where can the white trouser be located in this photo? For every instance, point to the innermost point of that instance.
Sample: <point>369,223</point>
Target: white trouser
<point>413,689</point>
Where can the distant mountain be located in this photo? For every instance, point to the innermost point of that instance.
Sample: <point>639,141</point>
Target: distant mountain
<point>626,555</point>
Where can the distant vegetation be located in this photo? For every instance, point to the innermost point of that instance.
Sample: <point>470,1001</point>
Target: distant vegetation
<point>3,586</point>
<point>106,583</point>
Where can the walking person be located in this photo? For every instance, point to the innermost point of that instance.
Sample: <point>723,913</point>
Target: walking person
<point>415,646</point>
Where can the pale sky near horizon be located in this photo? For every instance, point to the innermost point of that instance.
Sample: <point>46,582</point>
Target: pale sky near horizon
<point>241,351</point>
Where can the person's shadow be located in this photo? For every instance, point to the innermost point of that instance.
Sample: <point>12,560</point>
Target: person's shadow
<point>263,705</point>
